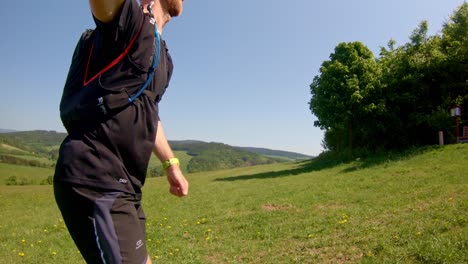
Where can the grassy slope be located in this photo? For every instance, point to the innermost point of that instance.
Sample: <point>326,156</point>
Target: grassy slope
<point>15,152</point>
<point>409,209</point>
<point>32,174</point>
<point>7,148</point>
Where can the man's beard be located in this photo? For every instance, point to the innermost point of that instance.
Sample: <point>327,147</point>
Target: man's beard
<point>174,7</point>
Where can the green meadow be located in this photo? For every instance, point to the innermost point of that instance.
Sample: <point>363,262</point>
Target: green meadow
<point>392,208</point>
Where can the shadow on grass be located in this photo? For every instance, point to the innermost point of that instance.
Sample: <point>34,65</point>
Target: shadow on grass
<point>380,158</point>
<point>315,164</point>
<point>330,160</point>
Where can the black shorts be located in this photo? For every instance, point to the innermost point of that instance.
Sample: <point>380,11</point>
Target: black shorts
<point>107,227</point>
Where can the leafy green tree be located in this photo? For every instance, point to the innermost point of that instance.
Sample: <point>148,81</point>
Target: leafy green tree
<point>419,35</point>
<point>419,80</point>
<point>413,92</point>
<point>455,47</point>
<point>400,100</point>
<point>346,95</point>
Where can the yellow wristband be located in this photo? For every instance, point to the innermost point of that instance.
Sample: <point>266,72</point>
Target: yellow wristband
<point>168,163</point>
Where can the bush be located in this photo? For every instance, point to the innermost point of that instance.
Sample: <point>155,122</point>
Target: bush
<point>48,181</point>
<point>155,172</point>
<point>13,180</point>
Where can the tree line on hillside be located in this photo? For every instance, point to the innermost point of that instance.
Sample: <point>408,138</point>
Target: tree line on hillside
<point>276,153</point>
<point>400,99</point>
<point>204,156</point>
<point>40,142</point>
<point>27,162</point>
<point>216,156</point>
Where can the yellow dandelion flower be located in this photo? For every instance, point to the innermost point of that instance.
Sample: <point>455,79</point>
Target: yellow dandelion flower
<point>21,254</point>
<point>169,227</point>
<point>207,238</point>
<point>198,222</point>
<point>177,250</point>
<point>149,239</point>
<point>418,233</point>
<point>170,253</point>
<point>45,230</point>
<point>22,240</point>
<point>54,253</point>
<point>309,236</point>
<point>156,257</point>
<point>209,230</point>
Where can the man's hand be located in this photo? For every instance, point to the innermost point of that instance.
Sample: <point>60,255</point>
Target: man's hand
<point>179,185</point>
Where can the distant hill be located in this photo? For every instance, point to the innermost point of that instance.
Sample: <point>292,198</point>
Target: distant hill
<point>277,153</point>
<point>262,151</point>
<point>203,156</point>
<point>216,156</point>
<point>38,142</point>
<point>2,130</point>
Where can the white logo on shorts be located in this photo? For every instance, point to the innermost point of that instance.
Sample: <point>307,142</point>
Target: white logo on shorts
<point>139,243</point>
<point>122,180</point>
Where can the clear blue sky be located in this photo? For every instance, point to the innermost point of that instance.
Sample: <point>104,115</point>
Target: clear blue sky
<point>242,68</point>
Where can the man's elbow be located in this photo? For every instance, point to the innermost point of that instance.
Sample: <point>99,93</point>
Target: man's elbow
<point>105,10</point>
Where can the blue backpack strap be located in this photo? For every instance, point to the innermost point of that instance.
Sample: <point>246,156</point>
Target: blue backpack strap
<point>119,100</point>
<point>153,67</point>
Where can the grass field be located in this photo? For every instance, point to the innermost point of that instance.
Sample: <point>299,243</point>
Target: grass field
<point>30,174</point>
<point>409,208</point>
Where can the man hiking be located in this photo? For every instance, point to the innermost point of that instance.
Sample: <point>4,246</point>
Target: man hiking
<point>118,74</point>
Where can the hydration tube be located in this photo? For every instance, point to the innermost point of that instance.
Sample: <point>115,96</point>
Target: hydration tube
<point>155,58</point>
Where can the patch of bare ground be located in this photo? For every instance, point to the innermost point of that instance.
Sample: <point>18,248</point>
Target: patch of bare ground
<point>328,255</point>
<point>325,209</point>
<point>216,258</point>
<point>330,206</point>
<point>277,207</point>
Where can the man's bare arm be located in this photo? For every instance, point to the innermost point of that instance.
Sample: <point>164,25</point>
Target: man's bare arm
<point>105,10</point>
<point>178,183</point>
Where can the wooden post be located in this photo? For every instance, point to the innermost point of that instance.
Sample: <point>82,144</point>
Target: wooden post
<point>441,138</point>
